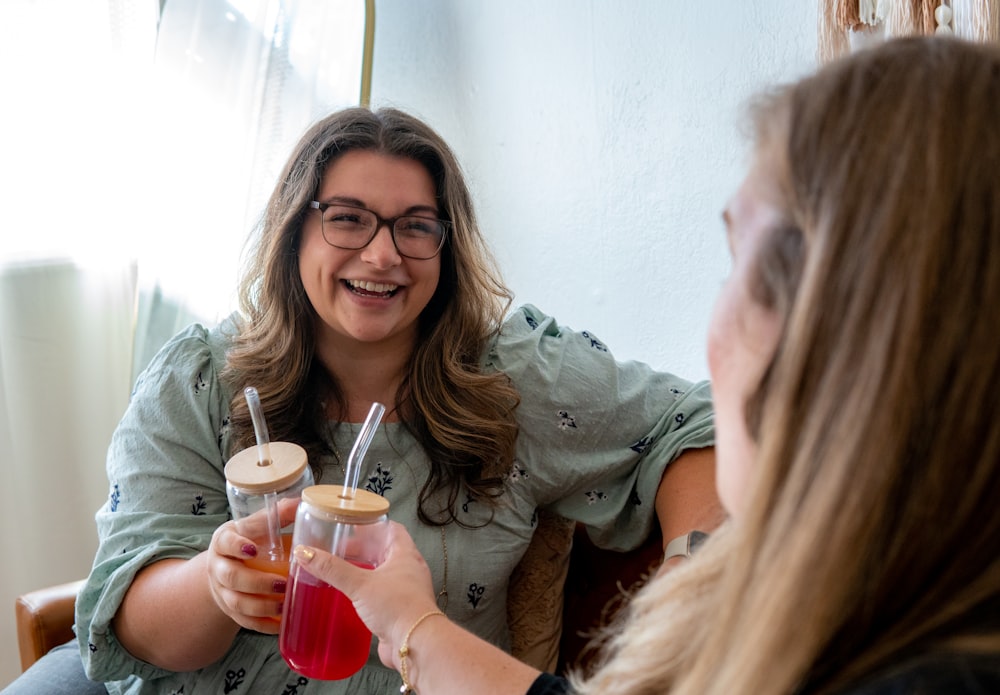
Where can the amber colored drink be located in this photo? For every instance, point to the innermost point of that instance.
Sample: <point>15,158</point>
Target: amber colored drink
<point>266,563</point>
<point>322,636</point>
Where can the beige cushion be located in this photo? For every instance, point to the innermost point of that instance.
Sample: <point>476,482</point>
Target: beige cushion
<point>535,595</point>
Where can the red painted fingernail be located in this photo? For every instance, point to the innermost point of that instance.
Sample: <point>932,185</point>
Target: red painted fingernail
<point>279,586</point>
<point>249,549</point>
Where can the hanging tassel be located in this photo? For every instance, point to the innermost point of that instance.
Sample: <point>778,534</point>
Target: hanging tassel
<point>868,11</point>
<point>976,20</point>
<point>942,19</point>
<point>832,41</point>
<point>925,22</point>
<point>910,17</point>
<point>897,17</point>
<point>964,18</point>
<point>848,14</point>
<point>881,7</point>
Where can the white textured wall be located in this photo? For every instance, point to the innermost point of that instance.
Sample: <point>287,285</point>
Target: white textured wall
<point>601,141</point>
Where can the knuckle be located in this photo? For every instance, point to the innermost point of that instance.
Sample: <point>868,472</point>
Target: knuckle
<point>226,573</point>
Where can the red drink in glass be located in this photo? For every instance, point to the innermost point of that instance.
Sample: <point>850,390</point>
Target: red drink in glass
<point>322,636</point>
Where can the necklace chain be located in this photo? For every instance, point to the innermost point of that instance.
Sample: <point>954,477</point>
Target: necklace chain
<point>444,581</point>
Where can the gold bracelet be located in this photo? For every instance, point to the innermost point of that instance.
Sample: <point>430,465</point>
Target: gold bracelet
<point>404,652</point>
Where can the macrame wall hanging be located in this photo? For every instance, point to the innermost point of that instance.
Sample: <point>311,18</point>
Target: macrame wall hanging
<point>843,23</point>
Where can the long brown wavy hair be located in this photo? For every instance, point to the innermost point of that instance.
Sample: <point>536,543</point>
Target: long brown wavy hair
<point>872,533</point>
<point>463,418</point>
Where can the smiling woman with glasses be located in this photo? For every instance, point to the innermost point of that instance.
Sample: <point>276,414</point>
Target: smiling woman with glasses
<point>484,426</point>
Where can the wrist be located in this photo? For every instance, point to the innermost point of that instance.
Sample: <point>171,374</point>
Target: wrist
<point>405,651</point>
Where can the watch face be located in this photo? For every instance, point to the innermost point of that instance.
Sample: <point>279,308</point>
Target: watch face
<point>696,538</point>
<point>684,545</point>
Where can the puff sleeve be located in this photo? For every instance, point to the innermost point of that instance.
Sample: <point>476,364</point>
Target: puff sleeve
<point>596,434</point>
<point>167,488</point>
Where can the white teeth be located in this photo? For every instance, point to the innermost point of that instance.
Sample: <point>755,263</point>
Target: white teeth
<point>377,287</point>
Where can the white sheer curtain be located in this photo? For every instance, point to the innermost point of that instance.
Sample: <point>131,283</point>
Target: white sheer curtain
<point>235,84</point>
<point>139,140</point>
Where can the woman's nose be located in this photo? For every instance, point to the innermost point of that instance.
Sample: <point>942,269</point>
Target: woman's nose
<point>381,251</point>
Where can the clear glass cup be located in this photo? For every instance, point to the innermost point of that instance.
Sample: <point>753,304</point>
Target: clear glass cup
<point>251,486</point>
<point>322,636</point>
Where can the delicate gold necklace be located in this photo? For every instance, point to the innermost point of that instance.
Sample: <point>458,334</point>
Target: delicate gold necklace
<point>443,594</point>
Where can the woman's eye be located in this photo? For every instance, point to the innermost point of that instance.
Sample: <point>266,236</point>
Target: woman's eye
<point>418,226</point>
<point>344,219</point>
<point>423,226</point>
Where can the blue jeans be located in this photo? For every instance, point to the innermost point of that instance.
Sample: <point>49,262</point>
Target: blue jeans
<point>60,672</point>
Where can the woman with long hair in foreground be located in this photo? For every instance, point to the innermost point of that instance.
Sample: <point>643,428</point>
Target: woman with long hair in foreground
<point>856,377</point>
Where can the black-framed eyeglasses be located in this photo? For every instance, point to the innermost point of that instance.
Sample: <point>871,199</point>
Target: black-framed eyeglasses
<point>351,227</point>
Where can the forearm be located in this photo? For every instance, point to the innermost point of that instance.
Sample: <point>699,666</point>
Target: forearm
<point>434,648</point>
<point>687,499</point>
<point>168,617</point>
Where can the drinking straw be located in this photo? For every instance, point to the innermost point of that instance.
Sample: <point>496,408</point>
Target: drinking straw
<point>360,448</point>
<point>277,551</point>
<point>259,426</point>
<point>353,470</point>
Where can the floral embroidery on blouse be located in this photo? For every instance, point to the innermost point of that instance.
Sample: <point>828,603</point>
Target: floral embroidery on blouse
<point>234,679</point>
<point>594,342</point>
<point>595,496</point>
<point>517,472</point>
<point>566,421</point>
<point>475,594</point>
<point>380,481</point>
<point>199,505</point>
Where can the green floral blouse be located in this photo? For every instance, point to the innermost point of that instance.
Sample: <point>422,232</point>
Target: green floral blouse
<point>595,436</point>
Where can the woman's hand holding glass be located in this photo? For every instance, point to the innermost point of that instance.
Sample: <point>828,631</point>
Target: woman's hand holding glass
<point>390,598</point>
<point>250,597</point>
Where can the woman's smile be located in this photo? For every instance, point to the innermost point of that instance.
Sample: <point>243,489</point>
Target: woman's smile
<point>373,294</point>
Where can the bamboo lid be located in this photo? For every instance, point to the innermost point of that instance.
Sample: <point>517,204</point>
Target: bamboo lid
<point>288,461</point>
<point>330,498</point>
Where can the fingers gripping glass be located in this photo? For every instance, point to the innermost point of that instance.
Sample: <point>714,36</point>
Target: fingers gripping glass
<point>350,227</point>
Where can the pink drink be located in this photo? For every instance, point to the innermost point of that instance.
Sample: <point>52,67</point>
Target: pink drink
<point>322,636</point>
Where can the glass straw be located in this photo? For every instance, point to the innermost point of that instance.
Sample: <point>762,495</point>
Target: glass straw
<point>360,448</point>
<point>259,426</point>
<point>277,551</point>
<point>353,470</point>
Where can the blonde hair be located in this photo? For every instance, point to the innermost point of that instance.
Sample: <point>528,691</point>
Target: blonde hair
<point>463,417</point>
<point>871,534</point>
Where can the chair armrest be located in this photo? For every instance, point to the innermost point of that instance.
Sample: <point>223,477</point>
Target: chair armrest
<point>45,620</point>
<point>598,586</point>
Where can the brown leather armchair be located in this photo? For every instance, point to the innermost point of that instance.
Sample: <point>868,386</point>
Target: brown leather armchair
<point>44,620</point>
